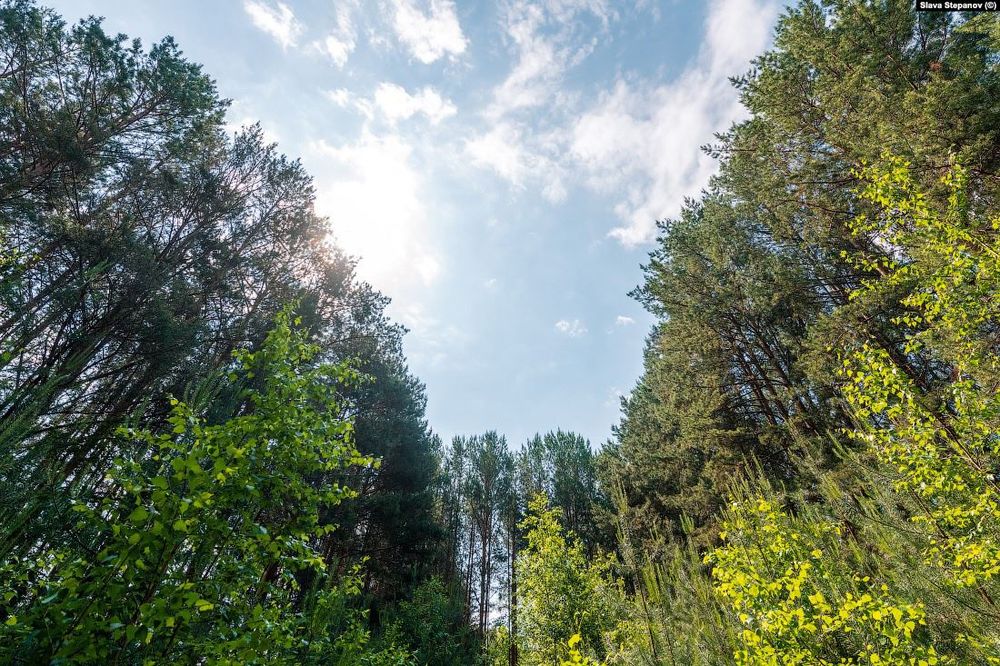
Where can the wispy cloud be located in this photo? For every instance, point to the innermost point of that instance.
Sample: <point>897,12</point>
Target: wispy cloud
<point>644,139</point>
<point>505,151</point>
<point>545,41</point>
<point>343,38</point>
<point>429,35</point>
<point>499,149</point>
<point>337,47</point>
<point>346,99</point>
<point>396,103</point>
<point>573,328</point>
<point>639,139</point>
<point>545,44</point>
<point>622,320</point>
<point>278,21</point>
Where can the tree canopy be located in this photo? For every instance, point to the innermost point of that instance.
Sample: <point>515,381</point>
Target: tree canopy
<point>212,449</point>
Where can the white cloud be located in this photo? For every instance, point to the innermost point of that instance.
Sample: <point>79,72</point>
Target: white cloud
<point>504,151</point>
<point>429,35</point>
<point>644,139</point>
<point>428,268</point>
<point>639,140</point>
<point>622,320</point>
<point>341,96</point>
<point>279,21</point>
<point>573,329</point>
<point>545,45</point>
<point>538,64</point>
<point>345,99</point>
<point>337,48</point>
<point>340,43</point>
<point>491,284</point>
<point>499,150</point>
<point>396,103</point>
<point>374,197</point>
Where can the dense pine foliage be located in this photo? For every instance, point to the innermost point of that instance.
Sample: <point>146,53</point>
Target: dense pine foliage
<point>212,450</point>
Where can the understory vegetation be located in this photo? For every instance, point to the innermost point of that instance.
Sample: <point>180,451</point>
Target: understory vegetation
<point>212,450</point>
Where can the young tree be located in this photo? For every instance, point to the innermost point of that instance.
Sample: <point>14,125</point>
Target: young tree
<point>489,474</point>
<point>561,465</point>
<point>198,547</point>
<point>561,592</point>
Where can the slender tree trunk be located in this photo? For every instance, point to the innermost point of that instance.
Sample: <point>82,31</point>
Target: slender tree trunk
<point>512,652</point>
<point>468,576</point>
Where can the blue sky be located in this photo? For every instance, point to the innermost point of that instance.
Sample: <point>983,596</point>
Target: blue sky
<point>497,167</point>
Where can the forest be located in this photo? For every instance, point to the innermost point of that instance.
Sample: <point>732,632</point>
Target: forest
<point>213,451</point>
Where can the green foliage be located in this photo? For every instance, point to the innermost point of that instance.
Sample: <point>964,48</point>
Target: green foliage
<point>942,443</point>
<point>744,281</point>
<point>497,647</point>
<point>575,656</point>
<point>386,652</point>
<point>560,592</point>
<point>433,624</point>
<point>804,296</point>
<point>799,596</point>
<point>201,546</point>
<point>820,286</point>
<point>674,615</point>
<point>793,582</point>
<point>561,465</point>
<point>144,242</point>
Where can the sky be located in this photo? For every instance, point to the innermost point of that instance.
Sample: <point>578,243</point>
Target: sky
<point>498,168</point>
